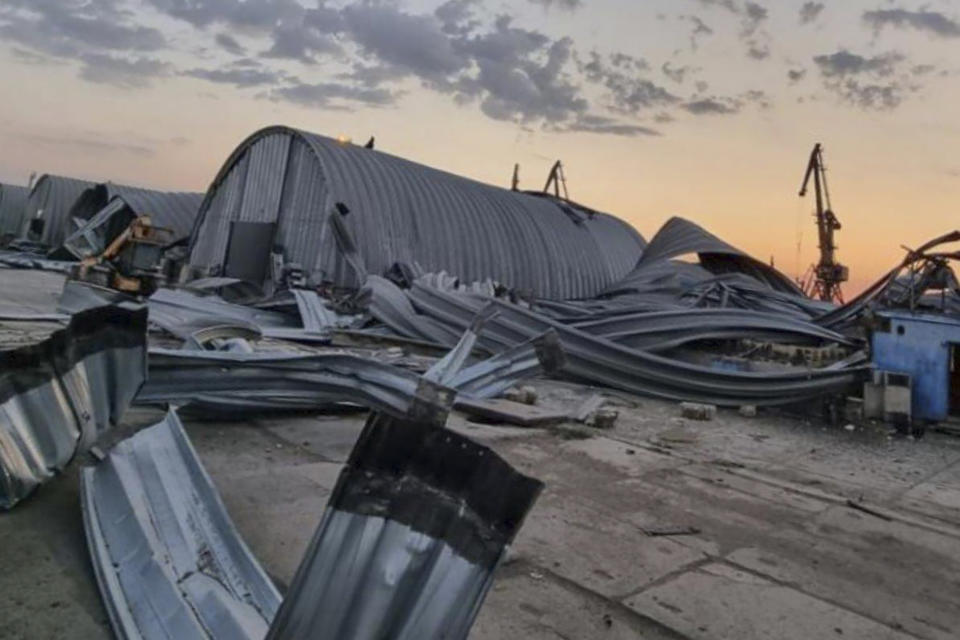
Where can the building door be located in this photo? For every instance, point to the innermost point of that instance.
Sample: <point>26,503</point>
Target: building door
<point>954,374</point>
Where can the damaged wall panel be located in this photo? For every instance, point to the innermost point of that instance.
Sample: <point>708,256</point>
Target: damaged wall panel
<point>406,550</point>
<point>171,209</point>
<point>59,395</point>
<point>13,202</point>
<point>50,202</point>
<point>167,557</point>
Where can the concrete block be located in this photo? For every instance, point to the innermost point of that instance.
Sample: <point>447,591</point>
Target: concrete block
<point>696,411</point>
<point>605,418</point>
<point>748,411</point>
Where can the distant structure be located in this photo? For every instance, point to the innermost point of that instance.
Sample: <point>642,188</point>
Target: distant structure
<point>13,202</point>
<point>46,217</point>
<point>174,210</point>
<point>824,279</point>
<point>288,201</point>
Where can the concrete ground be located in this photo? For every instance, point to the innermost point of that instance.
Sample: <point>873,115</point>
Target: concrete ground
<point>770,546</point>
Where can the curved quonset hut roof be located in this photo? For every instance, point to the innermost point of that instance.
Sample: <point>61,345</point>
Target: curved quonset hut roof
<point>13,201</point>
<point>679,237</point>
<point>53,197</point>
<point>174,210</point>
<point>403,212</point>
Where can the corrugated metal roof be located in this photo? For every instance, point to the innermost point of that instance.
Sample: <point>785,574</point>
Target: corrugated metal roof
<point>404,212</point>
<point>679,237</point>
<point>174,210</point>
<point>54,196</point>
<point>13,200</point>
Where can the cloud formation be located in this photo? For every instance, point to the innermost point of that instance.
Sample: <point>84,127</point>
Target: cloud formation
<point>346,54</point>
<point>810,11</point>
<point>931,22</point>
<point>867,82</point>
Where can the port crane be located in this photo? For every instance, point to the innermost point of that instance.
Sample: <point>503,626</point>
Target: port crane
<point>824,279</point>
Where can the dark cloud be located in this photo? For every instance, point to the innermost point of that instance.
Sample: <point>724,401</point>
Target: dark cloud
<point>758,50</point>
<point>414,44</point>
<point>374,49</point>
<point>796,75</point>
<point>700,30</point>
<point>810,11</point>
<point>456,17</point>
<point>67,28</point>
<point>844,63</point>
<point>604,125</point>
<point>753,16</point>
<point>126,73</point>
<point>756,97</point>
<point>330,94</point>
<point>300,42</point>
<point>518,87</point>
<point>866,82</point>
<point>241,77</point>
<point>712,106</point>
<point>932,22</point>
<point>628,91</point>
<point>568,5</point>
<point>96,34</point>
<point>229,44</point>
<point>729,5</point>
<point>261,15</point>
<point>677,74</point>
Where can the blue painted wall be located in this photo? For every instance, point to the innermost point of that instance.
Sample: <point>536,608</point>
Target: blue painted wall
<point>919,345</point>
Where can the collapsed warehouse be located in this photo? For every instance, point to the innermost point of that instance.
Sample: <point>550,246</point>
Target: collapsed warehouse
<point>265,299</point>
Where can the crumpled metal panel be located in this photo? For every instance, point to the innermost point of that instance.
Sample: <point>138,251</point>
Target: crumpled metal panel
<point>389,304</point>
<point>237,381</point>
<point>167,557</point>
<point>183,313</point>
<point>170,209</point>
<point>34,261</point>
<point>58,396</point>
<point>53,197</point>
<point>232,381</point>
<point>413,531</point>
<point>679,237</point>
<point>402,212</point>
<point>316,316</point>
<point>664,330</point>
<point>13,203</point>
<point>179,312</point>
<point>407,546</point>
<point>601,361</point>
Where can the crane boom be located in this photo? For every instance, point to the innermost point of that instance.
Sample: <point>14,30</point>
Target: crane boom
<point>829,273</point>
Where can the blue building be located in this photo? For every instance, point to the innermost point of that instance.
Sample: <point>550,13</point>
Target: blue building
<point>925,347</point>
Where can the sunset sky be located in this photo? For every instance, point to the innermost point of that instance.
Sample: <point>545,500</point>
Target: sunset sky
<point>705,109</point>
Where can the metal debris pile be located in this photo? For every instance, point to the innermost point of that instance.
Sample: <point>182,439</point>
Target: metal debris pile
<point>420,515</point>
<point>315,276</point>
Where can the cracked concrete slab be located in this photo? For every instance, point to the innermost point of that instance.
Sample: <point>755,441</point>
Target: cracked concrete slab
<point>709,603</point>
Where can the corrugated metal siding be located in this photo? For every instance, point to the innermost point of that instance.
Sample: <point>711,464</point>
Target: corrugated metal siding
<point>55,196</point>
<point>174,210</point>
<point>13,202</point>
<point>265,180</point>
<point>405,212</point>
<point>215,217</point>
<point>302,230</point>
